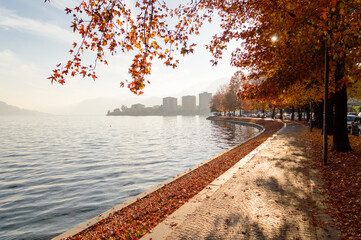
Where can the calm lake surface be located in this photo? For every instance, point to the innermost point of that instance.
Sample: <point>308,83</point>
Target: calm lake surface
<point>59,171</point>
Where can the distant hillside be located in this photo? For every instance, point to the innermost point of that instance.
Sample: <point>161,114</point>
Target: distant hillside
<point>6,109</point>
<point>100,106</point>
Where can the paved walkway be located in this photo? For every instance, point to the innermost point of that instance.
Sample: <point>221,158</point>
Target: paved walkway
<point>273,196</point>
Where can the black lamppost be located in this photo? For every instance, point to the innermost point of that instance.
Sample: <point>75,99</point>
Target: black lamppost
<point>325,104</point>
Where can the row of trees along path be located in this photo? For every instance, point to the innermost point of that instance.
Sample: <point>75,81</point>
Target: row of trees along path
<point>280,45</point>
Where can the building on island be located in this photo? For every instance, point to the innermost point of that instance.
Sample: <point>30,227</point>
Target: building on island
<point>170,106</point>
<point>189,106</point>
<point>204,103</point>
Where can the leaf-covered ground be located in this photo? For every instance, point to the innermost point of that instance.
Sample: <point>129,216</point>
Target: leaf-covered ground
<point>137,219</point>
<point>341,182</point>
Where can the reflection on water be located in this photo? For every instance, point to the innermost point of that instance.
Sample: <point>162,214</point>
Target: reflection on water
<point>231,134</point>
<point>58,171</point>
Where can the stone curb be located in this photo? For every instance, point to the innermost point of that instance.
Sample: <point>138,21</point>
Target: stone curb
<point>77,229</point>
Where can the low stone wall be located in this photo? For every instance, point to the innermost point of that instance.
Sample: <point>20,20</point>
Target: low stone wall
<point>259,127</point>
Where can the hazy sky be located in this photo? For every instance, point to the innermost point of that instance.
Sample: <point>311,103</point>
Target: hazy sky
<point>35,36</point>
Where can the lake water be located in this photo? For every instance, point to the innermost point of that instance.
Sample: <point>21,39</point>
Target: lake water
<point>59,171</point>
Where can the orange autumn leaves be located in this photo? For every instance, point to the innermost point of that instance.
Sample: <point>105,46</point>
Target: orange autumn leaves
<point>292,67</point>
<point>110,26</point>
<point>152,30</point>
<point>342,183</point>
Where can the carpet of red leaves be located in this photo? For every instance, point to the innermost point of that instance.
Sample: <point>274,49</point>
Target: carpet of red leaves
<point>135,220</point>
<point>341,183</point>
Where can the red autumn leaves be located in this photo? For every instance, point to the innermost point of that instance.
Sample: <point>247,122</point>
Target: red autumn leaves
<point>342,184</point>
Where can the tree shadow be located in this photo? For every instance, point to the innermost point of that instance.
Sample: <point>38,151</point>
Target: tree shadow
<point>244,229</point>
<point>284,196</point>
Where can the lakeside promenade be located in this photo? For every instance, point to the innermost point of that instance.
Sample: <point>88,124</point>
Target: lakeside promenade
<point>272,196</point>
<point>270,193</point>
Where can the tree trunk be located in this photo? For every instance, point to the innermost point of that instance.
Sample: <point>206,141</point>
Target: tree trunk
<point>293,113</point>
<point>307,110</point>
<point>299,111</point>
<point>273,113</point>
<point>330,116</point>
<point>340,135</point>
<point>311,120</point>
<point>319,115</point>
<point>281,112</point>
<point>240,107</point>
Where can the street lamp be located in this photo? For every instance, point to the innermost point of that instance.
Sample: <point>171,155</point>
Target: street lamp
<point>275,37</point>
<point>325,103</point>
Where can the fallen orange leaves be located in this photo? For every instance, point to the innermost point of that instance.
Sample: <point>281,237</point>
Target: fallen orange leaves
<point>342,183</point>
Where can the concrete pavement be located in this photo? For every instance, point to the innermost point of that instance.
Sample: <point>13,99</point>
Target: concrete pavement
<point>270,194</point>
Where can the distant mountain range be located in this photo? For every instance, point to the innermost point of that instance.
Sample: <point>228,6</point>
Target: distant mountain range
<point>100,106</point>
<point>6,109</point>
